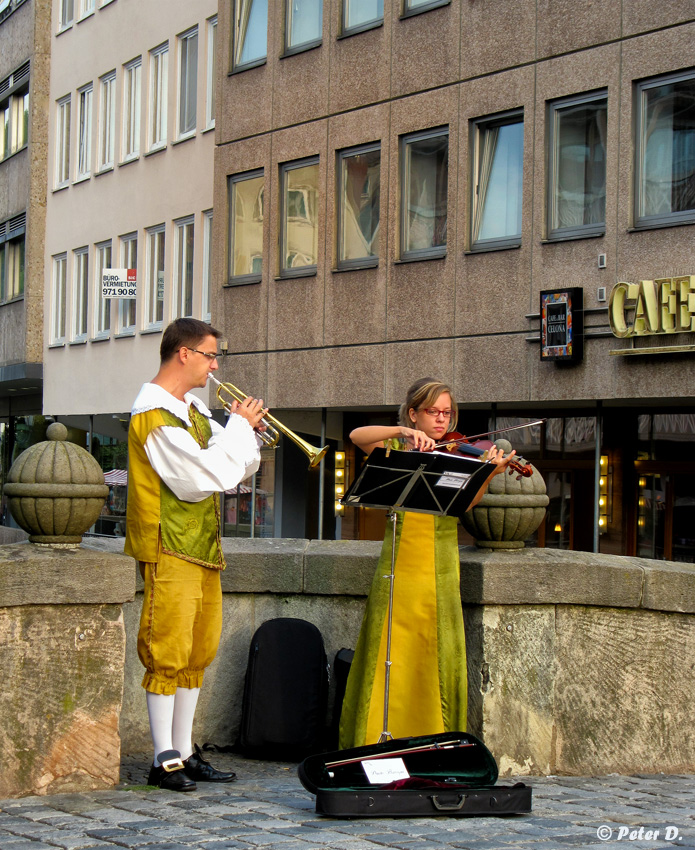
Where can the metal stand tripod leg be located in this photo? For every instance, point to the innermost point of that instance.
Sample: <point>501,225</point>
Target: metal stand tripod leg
<point>386,735</point>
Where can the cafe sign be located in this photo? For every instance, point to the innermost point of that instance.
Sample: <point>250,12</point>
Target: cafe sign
<point>653,307</point>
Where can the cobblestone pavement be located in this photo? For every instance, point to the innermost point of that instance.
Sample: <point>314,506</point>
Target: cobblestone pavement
<point>267,807</point>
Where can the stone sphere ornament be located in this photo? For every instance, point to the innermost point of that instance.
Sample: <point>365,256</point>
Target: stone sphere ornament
<point>510,511</point>
<point>56,490</point>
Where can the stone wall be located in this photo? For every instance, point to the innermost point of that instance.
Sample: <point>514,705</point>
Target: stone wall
<point>578,663</point>
<point>62,653</point>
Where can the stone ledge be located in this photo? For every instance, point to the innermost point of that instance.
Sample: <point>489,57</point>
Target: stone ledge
<point>263,565</point>
<point>40,575</point>
<point>518,577</point>
<point>340,567</point>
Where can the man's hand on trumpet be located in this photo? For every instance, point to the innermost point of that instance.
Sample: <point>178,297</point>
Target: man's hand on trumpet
<point>252,410</point>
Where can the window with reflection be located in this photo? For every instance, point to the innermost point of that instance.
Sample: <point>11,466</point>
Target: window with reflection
<point>188,82</point>
<point>303,25</point>
<point>424,193</point>
<point>129,260</point>
<point>498,156</point>
<point>107,120</point>
<point>84,136</point>
<point>362,14</point>
<point>250,36</point>
<point>102,306</point>
<point>58,300</point>
<point>80,298</point>
<point>131,109</point>
<point>413,7</point>
<point>183,266</point>
<point>159,77</point>
<point>154,292</point>
<point>12,262</point>
<point>14,111</point>
<point>665,150</point>
<point>245,192</point>
<point>207,264</point>
<point>358,208</point>
<point>62,161</point>
<point>299,217</point>
<point>577,167</point>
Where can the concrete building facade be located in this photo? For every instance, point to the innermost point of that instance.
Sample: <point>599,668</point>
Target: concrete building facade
<point>396,184</point>
<point>132,116</point>
<point>24,82</point>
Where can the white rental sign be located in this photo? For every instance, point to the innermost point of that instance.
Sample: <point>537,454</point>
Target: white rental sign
<point>118,283</point>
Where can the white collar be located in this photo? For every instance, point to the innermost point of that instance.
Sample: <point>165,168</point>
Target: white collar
<point>152,397</point>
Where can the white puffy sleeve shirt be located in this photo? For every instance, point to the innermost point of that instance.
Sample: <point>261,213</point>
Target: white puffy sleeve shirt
<point>191,472</point>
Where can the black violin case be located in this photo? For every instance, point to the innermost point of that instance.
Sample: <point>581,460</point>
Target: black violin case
<point>451,773</point>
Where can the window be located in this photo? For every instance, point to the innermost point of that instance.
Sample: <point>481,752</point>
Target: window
<point>80,294</point>
<point>14,111</point>
<point>360,15</point>
<point>188,82</point>
<point>577,167</point>
<point>86,7</point>
<point>84,139</point>
<point>127,306</point>
<point>246,227</point>
<point>183,267</point>
<point>212,54</point>
<point>62,175</point>
<point>250,33</point>
<point>303,25</point>
<point>424,188</point>
<point>414,7</point>
<point>58,302</point>
<point>131,110</point>
<point>154,293</point>
<point>299,238</point>
<point>12,258</point>
<point>207,264</point>
<point>159,76</point>
<point>665,151</point>
<point>107,121</point>
<point>102,306</point>
<point>358,206</point>
<point>498,159</point>
<point>67,13</point>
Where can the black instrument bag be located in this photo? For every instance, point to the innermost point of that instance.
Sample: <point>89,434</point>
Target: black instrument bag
<point>450,773</point>
<point>285,691</point>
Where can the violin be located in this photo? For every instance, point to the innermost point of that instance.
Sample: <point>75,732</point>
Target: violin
<point>462,445</point>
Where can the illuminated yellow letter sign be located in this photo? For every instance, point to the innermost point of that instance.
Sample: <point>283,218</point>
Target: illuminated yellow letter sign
<point>650,307</point>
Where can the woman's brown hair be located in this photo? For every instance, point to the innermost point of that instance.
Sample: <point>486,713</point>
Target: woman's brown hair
<point>422,394</point>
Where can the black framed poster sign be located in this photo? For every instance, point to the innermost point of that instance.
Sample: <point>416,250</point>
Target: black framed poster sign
<point>562,324</point>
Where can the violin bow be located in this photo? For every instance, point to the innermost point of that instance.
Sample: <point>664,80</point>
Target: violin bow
<point>489,433</point>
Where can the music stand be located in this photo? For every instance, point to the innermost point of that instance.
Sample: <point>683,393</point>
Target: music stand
<point>436,483</point>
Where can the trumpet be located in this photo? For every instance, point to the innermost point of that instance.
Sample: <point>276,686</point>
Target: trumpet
<point>270,437</point>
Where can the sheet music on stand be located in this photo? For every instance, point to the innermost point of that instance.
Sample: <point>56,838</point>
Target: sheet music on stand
<point>436,483</point>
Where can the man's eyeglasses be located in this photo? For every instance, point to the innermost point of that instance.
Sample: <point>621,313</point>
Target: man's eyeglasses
<point>434,412</point>
<point>209,355</point>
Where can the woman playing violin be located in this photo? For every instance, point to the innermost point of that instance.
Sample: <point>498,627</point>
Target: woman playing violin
<point>428,684</point>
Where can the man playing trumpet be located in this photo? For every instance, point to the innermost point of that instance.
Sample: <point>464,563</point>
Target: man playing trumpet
<point>179,461</point>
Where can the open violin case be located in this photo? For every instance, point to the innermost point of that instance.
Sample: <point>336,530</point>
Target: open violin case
<point>451,773</point>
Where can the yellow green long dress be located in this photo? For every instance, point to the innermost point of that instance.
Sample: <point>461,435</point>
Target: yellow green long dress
<point>428,683</point>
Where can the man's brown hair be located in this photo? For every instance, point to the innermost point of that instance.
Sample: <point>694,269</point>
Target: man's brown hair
<point>188,333</point>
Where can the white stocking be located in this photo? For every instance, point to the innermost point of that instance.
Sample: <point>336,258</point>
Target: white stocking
<point>184,709</point>
<point>160,708</point>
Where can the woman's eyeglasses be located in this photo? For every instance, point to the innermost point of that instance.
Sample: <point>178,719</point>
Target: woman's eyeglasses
<point>435,412</point>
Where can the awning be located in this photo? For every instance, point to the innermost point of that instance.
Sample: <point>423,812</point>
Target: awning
<point>116,476</point>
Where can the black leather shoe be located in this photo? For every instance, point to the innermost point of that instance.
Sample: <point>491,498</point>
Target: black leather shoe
<point>202,771</point>
<point>171,774</point>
